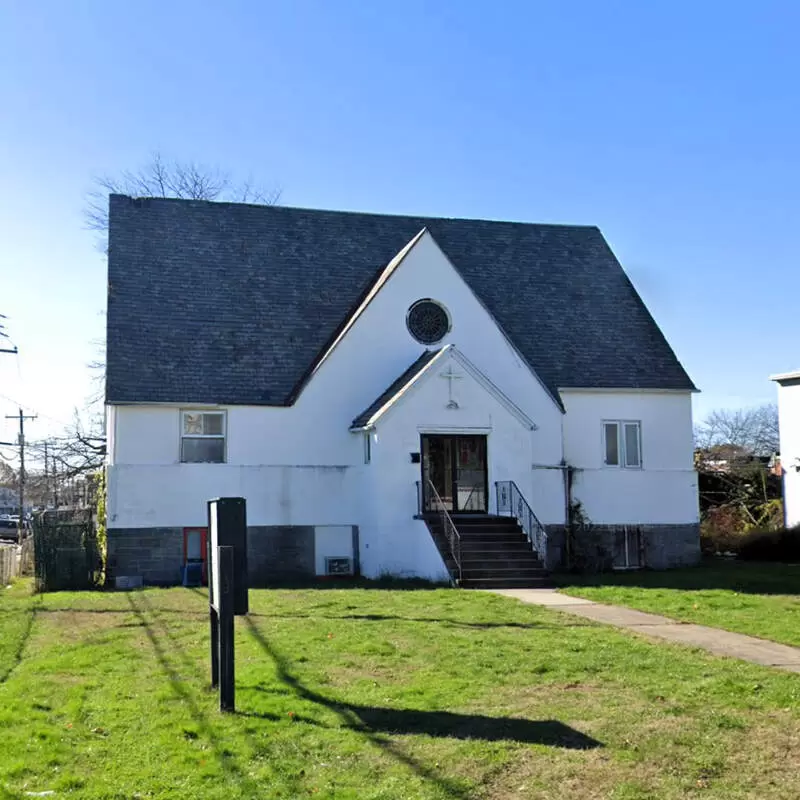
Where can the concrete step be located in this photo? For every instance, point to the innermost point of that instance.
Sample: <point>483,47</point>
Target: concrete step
<point>499,535</point>
<point>486,550</point>
<point>495,553</point>
<point>529,561</point>
<point>505,583</point>
<point>501,524</point>
<point>517,571</point>
<point>472,520</point>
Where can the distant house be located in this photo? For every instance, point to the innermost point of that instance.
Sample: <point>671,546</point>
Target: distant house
<point>789,416</point>
<point>355,376</point>
<point>9,500</point>
<point>732,457</point>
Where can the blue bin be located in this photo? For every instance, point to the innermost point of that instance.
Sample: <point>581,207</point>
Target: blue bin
<point>192,573</point>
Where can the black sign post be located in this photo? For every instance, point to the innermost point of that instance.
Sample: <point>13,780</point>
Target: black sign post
<point>227,588</point>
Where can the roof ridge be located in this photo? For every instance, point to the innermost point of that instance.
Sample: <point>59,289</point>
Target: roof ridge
<point>353,212</point>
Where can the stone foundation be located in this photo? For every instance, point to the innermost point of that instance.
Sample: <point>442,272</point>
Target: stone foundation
<point>274,553</point>
<point>599,548</point>
<point>280,553</point>
<point>154,553</point>
<point>668,546</point>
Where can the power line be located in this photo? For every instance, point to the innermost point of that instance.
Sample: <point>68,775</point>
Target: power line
<point>4,335</point>
<point>34,410</point>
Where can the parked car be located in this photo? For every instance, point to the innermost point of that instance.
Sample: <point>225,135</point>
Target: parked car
<point>8,529</point>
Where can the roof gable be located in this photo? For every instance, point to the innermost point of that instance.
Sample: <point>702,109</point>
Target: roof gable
<point>423,367</point>
<point>358,310</point>
<point>234,304</point>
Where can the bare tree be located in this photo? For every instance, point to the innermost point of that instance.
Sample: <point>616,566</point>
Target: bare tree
<point>8,476</point>
<point>82,448</point>
<point>752,431</point>
<point>162,177</point>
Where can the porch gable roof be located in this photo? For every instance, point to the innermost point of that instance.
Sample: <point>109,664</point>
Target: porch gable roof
<point>368,418</point>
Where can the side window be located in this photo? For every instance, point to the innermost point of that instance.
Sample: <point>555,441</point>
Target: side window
<point>203,437</point>
<point>633,455</point>
<point>611,435</point>
<point>622,444</point>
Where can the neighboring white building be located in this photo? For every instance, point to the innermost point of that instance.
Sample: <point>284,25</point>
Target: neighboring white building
<point>348,374</point>
<point>789,417</point>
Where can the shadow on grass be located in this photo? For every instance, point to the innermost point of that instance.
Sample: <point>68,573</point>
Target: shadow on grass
<point>713,573</point>
<point>373,722</point>
<point>144,613</point>
<point>344,582</point>
<point>473,726</point>
<point>446,621</point>
<point>377,725</point>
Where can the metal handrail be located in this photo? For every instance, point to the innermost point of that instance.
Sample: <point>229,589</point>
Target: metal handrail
<point>511,501</point>
<point>465,507</point>
<point>448,526</point>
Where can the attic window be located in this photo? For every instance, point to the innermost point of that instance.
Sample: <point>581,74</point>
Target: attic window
<point>428,321</point>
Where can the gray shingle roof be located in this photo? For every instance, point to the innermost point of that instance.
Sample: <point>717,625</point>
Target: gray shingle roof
<point>396,387</point>
<point>231,303</point>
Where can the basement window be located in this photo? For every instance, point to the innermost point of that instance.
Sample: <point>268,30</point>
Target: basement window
<point>203,437</point>
<point>622,444</point>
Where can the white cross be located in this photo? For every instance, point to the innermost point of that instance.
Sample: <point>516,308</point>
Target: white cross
<point>450,376</point>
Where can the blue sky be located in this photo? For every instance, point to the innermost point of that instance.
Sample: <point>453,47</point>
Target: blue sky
<point>674,127</point>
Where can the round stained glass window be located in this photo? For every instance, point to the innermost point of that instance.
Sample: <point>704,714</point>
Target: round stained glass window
<point>428,322</point>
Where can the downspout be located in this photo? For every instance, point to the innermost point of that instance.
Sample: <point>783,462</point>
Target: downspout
<point>567,473</point>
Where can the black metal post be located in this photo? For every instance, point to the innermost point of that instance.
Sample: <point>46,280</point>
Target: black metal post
<point>214,618</point>
<point>225,611</point>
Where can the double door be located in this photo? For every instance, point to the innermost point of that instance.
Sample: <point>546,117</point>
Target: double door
<point>455,467</point>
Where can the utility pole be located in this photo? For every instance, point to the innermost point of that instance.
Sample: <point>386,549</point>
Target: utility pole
<point>46,474</point>
<point>22,417</point>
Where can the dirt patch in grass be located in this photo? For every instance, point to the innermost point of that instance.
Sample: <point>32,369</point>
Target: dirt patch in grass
<point>590,775</point>
<point>74,625</point>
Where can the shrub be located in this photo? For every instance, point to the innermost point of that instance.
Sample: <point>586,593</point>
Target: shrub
<point>780,545</point>
<point>721,529</point>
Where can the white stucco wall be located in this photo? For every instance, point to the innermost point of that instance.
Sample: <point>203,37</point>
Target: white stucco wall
<point>664,490</point>
<point>789,414</point>
<point>175,495</point>
<point>331,541</point>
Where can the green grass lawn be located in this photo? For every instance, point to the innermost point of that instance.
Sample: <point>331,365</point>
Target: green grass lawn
<point>367,693</point>
<point>758,599</point>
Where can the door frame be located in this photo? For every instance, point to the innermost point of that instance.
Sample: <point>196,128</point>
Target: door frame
<point>455,435</point>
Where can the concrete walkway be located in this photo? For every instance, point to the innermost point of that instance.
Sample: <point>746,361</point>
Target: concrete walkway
<point>719,642</point>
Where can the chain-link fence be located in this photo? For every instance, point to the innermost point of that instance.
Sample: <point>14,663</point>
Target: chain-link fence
<point>66,551</point>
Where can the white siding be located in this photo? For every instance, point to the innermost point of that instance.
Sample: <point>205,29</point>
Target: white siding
<point>664,490</point>
<point>789,411</point>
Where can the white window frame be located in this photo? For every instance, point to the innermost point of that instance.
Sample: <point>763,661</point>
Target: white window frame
<point>224,435</point>
<point>622,454</point>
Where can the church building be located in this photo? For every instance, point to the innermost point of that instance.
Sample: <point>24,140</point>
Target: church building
<point>460,400</point>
